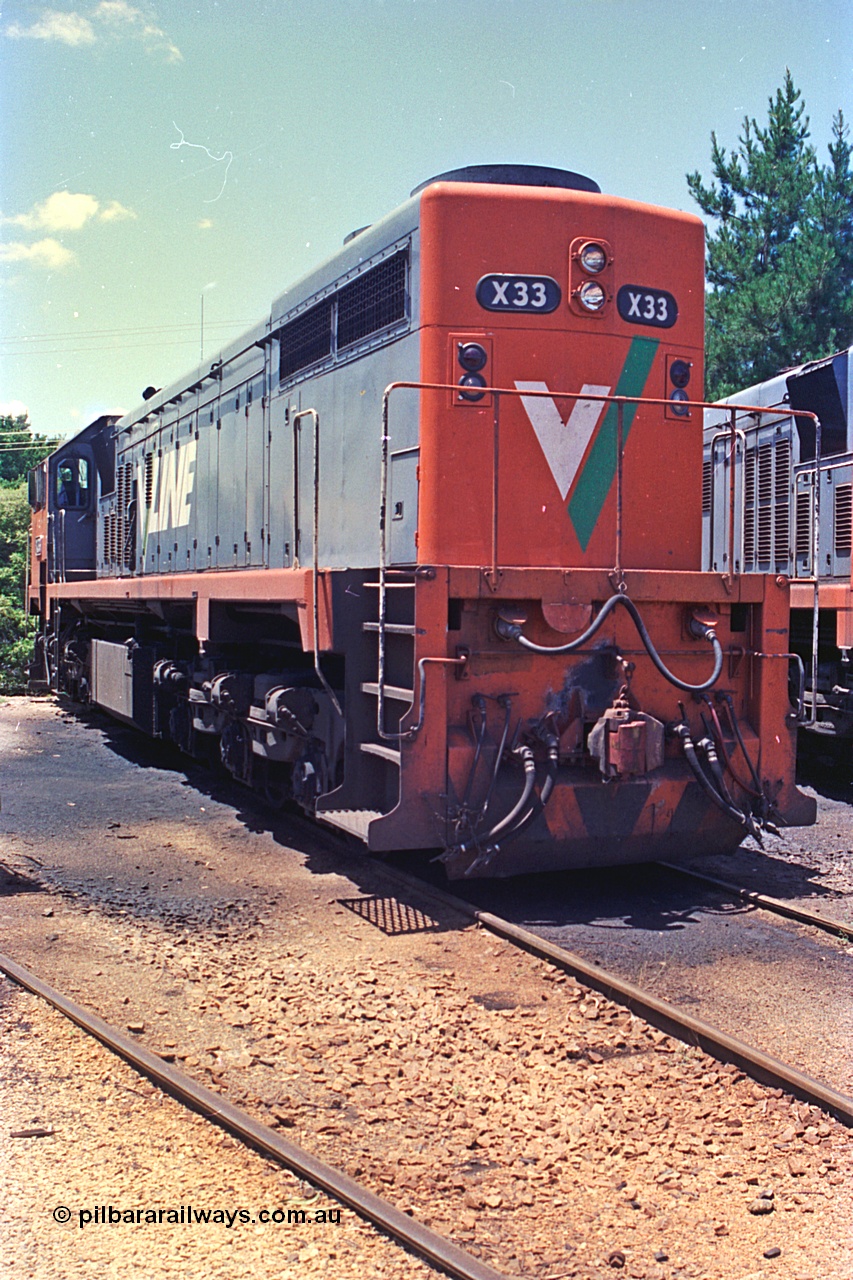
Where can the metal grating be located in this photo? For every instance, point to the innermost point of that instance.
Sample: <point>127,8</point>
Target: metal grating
<point>803,532</point>
<point>126,517</point>
<point>765,534</point>
<point>373,301</point>
<point>749,507</point>
<point>149,479</point>
<point>765,473</point>
<point>782,508</point>
<point>707,485</point>
<point>843,519</point>
<point>766,504</point>
<point>306,340</point>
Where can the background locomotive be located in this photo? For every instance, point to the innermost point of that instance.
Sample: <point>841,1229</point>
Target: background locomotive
<point>793,515</point>
<point>421,551</point>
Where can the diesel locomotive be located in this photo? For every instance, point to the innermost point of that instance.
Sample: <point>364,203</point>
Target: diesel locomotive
<point>421,551</point>
<point>783,450</point>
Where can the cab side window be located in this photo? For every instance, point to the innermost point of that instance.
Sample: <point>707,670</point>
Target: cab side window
<point>72,483</point>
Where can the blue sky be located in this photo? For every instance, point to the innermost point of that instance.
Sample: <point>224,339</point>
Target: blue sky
<point>157,154</point>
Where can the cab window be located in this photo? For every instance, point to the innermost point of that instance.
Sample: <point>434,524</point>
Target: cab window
<point>72,483</point>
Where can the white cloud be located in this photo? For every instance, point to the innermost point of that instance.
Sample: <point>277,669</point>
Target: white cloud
<point>67,28</point>
<point>48,253</point>
<point>69,211</point>
<point>115,212</point>
<point>13,409</point>
<point>118,21</point>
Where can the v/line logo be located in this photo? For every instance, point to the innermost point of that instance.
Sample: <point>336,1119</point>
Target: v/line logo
<point>581,451</point>
<point>171,487</point>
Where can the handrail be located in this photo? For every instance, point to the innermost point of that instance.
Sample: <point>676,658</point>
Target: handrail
<point>315,562</point>
<point>620,401</point>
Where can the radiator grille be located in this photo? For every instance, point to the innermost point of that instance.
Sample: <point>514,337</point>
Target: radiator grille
<point>803,534</point>
<point>749,507</point>
<point>766,504</point>
<point>707,485</point>
<point>782,509</point>
<point>843,519</point>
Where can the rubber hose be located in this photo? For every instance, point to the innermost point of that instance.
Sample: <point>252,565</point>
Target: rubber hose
<point>690,754</point>
<point>521,804</point>
<point>513,631</point>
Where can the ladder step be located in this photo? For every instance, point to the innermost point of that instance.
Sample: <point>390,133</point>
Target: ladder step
<point>385,753</point>
<point>391,691</point>
<point>392,586</point>
<point>355,821</point>
<point>393,628</point>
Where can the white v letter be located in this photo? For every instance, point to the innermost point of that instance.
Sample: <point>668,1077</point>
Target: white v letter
<point>564,444</point>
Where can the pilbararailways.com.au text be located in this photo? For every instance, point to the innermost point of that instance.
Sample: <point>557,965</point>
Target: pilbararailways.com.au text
<point>187,1215</point>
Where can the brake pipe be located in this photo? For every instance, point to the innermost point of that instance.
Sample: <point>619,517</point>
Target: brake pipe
<point>529,763</point>
<point>727,698</point>
<point>682,731</point>
<point>717,731</point>
<point>539,803</point>
<point>508,630</point>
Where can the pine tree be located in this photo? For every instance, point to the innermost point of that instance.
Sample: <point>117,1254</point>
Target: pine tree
<point>780,260</point>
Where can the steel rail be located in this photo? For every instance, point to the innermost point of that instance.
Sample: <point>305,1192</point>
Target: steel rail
<point>666,1017</point>
<point>776,905</point>
<point>420,1238</point>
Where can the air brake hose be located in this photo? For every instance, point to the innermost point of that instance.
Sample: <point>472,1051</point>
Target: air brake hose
<point>512,631</point>
<point>519,807</point>
<point>683,732</point>
<point>541,800</point>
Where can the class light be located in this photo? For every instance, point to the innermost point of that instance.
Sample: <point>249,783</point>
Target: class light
<point>679,373</point>
<point>471,384</point>
<point>591,295</point>
<point>593,258</point>
<point>472,356</point>
<point>677,404</point>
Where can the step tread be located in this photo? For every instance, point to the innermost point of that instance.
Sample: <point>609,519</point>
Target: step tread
<point>383,752</point>
<point>391,691</point>
<point>393,628</point>
<point>355,821</point>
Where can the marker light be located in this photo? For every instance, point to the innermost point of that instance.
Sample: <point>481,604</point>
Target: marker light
<point>472,356</point>
<point>472,380</point>
<point>679,374</point>
<point>593,258</point>
<point>592,296</point>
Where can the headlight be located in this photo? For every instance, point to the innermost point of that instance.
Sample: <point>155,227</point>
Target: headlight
<point>592,296</point>
<point>593,258</point>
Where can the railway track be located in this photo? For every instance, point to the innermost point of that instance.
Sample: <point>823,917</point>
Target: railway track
<point>432,1246</point>
<point>168,924</point>
<point>817,919</point>
<point>662,1014</point>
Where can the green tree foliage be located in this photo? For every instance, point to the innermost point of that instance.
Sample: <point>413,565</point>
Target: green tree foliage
<point>780,258</point>
<point>19,450</point>
<point>16,633</point>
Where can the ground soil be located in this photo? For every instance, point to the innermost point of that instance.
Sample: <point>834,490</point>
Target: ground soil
<point>544,1128</point>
